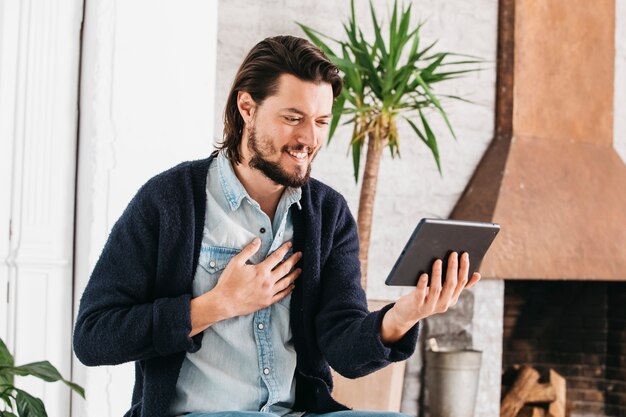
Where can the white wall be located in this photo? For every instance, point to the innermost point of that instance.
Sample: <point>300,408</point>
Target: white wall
<point>9,52</point>
<point>147,94</point>
<point>39,57</point>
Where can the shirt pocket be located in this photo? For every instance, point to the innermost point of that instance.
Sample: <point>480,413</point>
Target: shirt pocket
<point>215,258</point>
<point>212,261</point>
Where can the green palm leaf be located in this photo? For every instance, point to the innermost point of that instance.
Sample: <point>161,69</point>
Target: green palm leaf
<point>428,138</point>
<point>392,76</point>
<point>356,158</point>
<point>337,112</point>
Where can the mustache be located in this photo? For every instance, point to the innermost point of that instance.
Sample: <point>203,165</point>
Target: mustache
<point>298,148</point>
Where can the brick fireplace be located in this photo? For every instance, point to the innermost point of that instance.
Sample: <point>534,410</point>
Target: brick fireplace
<point>576,328</point>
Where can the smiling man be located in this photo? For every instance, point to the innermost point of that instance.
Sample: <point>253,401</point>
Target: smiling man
<point>233,282</point>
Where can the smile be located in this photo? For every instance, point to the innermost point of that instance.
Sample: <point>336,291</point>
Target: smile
<point>299,156</point>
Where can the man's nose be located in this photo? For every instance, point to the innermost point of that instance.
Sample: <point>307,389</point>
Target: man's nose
<point>309,135</point>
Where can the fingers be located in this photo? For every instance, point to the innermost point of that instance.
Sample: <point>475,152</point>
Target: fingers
<point>451,277</point>
<point>464,270</point>
<point>435,286</point>
<point>286,285</point>
<point>445,297</point>
<point>249,250</point>
<point>475,278</point>
<point>283,269</point>
<point>421,290</point>
<point>462,281</point>
<point>276,257</point>
<point>287,280</point>
<point>439,299</point>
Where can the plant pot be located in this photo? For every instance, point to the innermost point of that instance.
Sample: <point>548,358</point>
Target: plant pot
<point>381,390</point>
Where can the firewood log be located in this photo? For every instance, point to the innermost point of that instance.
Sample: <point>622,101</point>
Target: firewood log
<point>557,407</point>
<point>541,393</point>
<point>532,412</point>
<point>515,399</point>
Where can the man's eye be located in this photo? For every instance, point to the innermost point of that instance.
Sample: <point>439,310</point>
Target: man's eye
<point>292,119</point>
<point>323,122</point>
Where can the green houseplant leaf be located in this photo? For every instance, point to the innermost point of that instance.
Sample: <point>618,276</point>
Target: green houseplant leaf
<point>19,402</point>
<point>44,370</point>
<point>29,406</point>
<point>5,356</point>
<point>6,359</point>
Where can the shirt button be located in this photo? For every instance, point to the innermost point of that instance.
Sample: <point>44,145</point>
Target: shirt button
<point>266,371</point>
<point>262,230</point>
<point>212,264</point>
<point>261,326</point>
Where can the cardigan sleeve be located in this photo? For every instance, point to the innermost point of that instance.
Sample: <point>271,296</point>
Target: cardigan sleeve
<point>349,335</point>
<point>118,319</point>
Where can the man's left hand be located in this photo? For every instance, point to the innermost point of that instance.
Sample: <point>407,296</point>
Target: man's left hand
<point>427,300</point>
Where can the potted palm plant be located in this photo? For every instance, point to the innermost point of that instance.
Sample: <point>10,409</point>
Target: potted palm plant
<point>386,80</point>
<point>15,402</point>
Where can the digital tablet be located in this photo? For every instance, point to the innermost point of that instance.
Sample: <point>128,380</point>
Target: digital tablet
<point>435,239</point>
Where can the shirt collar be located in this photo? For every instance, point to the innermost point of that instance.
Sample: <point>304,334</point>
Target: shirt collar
<point>293,196</point>
<point>235,191</point>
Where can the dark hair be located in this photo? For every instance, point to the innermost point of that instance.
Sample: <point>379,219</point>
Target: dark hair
<point>258,75</point>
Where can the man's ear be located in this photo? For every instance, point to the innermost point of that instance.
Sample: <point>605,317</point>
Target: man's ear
<point>246,106</point>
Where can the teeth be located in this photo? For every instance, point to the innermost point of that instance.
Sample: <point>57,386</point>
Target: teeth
<point>299,155</point>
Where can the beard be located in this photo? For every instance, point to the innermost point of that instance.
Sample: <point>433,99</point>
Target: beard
<point>260,149</point>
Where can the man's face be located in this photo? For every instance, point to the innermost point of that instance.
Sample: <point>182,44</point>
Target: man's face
<point>287,130</point>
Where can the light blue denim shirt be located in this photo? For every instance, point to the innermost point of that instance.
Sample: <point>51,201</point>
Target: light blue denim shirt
<point>246,363</point>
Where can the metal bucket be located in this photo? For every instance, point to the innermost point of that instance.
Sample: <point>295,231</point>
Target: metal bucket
<point>452,382</point>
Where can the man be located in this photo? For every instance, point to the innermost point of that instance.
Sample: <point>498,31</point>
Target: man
<point>233,282</point>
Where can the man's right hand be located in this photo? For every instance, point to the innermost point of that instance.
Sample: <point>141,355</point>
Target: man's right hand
<point>248,288</point>
<point>244,288</point>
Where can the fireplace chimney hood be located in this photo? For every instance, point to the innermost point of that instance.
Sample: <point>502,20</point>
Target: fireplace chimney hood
<point>551,177</point>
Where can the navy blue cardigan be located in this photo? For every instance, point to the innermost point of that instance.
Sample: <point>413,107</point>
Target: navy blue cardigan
<point>136,306</point>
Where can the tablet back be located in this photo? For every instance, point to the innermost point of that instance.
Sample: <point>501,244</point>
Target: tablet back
<point>435,239</point>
